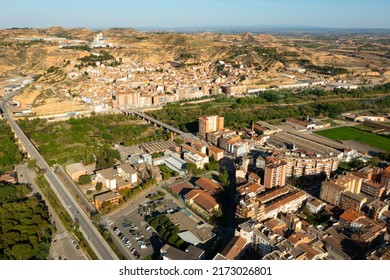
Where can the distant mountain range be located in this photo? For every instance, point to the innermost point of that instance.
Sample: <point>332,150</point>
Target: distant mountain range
<point>275,30</point>
<point>256,29</point>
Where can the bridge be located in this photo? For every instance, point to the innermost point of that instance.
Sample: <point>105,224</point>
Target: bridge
<point>130,112</point>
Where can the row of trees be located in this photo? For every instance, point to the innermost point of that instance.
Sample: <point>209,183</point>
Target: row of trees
<point>25,230</point>
<point>167,230</point>
<point>327,70</point>
<point>242,111</point>
<point>9,151</point>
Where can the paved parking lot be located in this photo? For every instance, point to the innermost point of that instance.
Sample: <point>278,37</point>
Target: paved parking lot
<point>133,226</point>
<point>66,248</point>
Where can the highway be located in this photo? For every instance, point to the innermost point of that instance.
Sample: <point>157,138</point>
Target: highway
<point>96,241</point>
<point>69,182</point>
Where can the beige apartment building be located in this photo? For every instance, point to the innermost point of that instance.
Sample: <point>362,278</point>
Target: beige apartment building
<point>208,124</point>
<point>126,99</point>
<point>275,174</point>
<point>331,191</point>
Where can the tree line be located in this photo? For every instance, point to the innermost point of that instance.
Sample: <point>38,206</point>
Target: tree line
<point>9,151</point>
<point>240,112</point>
<point>25,229</point>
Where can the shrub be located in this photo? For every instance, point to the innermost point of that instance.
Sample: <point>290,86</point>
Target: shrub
<point>85,179</point>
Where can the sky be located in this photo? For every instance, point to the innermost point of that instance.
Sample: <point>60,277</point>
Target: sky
<point>195,13</point>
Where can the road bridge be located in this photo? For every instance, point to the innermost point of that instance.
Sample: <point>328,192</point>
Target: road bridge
<point>130,112</point>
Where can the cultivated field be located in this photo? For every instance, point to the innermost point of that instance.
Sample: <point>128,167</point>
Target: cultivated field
<point>350,133</point>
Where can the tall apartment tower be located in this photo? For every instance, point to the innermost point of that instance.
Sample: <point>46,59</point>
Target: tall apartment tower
<point>275,174</point>
<point>385,178</point>
<point>210,124</point>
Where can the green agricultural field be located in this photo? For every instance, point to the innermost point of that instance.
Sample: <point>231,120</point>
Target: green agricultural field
<point>350,133</point>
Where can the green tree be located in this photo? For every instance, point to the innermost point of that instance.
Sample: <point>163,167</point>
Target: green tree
<point>191,168</point>
<point>213,165</point>
<point>179,141</point>
<point>223,178</point>
<point>21,251</point>
<point>99,186</point>
<point>374,161</point>
<point>25,230</point>
<point>85,179</point>
<point>356,163</point>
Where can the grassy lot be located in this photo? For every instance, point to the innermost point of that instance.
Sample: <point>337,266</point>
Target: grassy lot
<point>78,139</point>
<point>350,133</point>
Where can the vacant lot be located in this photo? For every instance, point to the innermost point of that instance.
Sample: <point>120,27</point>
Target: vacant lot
<point>350,133</point>
<point>81,139</point>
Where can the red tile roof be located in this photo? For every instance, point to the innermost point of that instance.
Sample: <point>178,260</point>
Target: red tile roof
<point>209,186</point>
<point>179,187</point>
<point>215,149</point>
<point>234,248</point>
<point>351,215</point>
<point>203,199</point>
<point>206,201</point>
<point>249,187</point>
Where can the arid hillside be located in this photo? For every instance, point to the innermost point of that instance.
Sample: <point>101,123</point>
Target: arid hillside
<point>61,57</point>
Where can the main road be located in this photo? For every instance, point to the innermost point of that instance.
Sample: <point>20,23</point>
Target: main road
<point>94,238</point>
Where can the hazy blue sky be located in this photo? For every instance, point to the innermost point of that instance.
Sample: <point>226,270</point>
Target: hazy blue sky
<point>189,13</point>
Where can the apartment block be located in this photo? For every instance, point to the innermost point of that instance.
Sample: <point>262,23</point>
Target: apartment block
<point>290,203</point>
<point>350,200</point>
<point>306,163</point>
<point>331,190</point>
<point>163,99</point>
<point>208,124</point>
<point>127,99</point>
<point>216,153</point>
<point>275,174</point>
<point>215,136</point>
<point>385,178</point>
<point>247,196</point>
<point>372,189</point>
<point>350,182</point>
